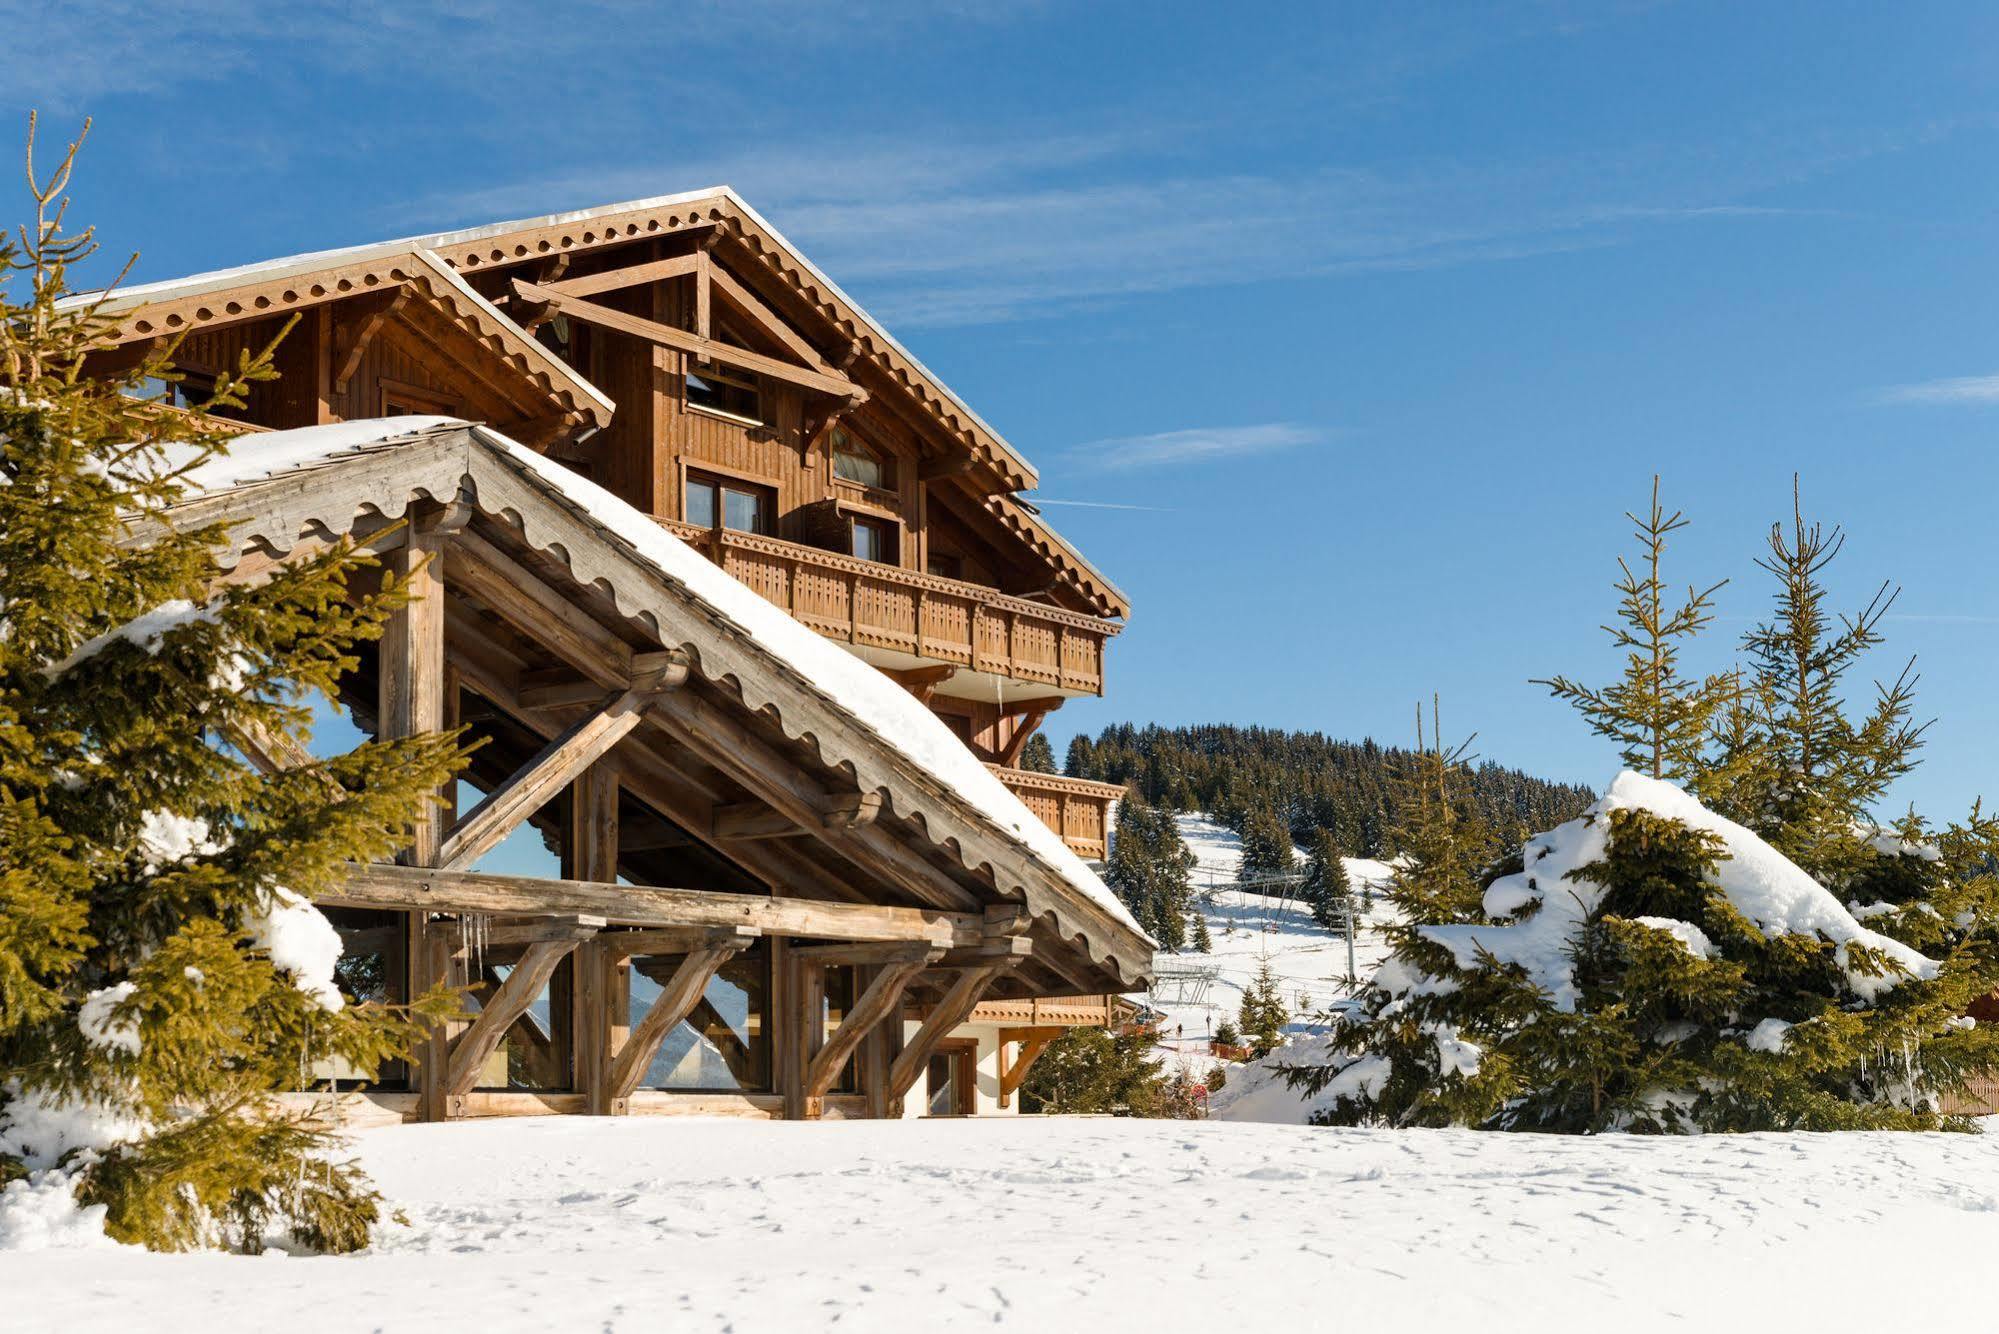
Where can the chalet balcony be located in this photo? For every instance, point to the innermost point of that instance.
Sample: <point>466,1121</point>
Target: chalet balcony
<point>907,619</point>
<point>1076,808</point>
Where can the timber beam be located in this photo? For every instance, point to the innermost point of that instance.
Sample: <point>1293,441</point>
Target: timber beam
<point>1013,1073</point>
<point>367,316</point>
<point>549,772</point>
<point>665,335</point>
<point>379,885</point>
<point>561,688</point>
<point>879,1003</point>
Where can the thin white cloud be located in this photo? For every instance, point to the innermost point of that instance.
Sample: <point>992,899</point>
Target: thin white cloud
<point>1102,505</point>
<point>1959,389</point>
<point>1198,445</point>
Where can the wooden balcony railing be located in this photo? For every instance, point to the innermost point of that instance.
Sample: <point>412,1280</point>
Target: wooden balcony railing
<point>1076,808</point>
<point>883,606</point>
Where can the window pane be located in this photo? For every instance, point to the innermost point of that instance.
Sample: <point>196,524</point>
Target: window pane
<point>839,1000</point>
<point>701,504</point>
<point>723,1045</point>
<point>870,540</point>
<point>744,511</point>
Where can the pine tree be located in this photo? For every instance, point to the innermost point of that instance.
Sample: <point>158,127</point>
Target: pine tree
<point>1203,942</point>
<point>1094,1071</point>
<point>1081,761</point>
<point>161,971</point>
<point>1797,769</point>
<point>1262,1016</point>
<point>1441,839</point>
<point>1037,756</point>
<point>1266,846</point>
<point>1654,966</point>
<point>1659,719</point>
<point>1150,870</point>
<point>1326,890</point>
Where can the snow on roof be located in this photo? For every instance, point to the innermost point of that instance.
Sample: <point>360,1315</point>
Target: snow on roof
<point>1763,885</point>
<point>879,704</point>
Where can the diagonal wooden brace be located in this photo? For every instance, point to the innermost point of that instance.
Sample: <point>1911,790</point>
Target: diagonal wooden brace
<point>471,1048</point>
<point>551,771</point>
<point>882,1000</point>
<point>676,1001</point>
<point>959,1001</point>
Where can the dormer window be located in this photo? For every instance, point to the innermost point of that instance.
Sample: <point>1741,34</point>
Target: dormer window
<point>725,394</point>
<point>861,463</point>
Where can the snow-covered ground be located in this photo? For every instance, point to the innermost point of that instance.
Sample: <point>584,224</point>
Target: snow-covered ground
<point>1310,962</point>
<point>1032,1223</point>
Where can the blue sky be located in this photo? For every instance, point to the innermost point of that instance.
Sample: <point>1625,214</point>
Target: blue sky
<point>1348,331</point>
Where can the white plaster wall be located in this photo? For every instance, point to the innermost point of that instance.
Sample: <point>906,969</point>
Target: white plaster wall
<point>987,1063</point>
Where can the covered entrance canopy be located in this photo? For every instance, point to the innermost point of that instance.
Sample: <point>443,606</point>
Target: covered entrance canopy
<point>732,781</point>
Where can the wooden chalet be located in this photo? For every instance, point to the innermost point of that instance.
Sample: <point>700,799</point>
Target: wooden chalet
<point>750,618</point>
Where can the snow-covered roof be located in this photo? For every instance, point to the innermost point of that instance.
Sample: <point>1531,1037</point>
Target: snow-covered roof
<point>885,710</point>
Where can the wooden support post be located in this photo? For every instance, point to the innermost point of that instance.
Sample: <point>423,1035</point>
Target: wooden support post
<point>591,854</point>
<point>946,1015</point>
<point>881,1001</point>
<point>682,991</point>
<point>411,703</point>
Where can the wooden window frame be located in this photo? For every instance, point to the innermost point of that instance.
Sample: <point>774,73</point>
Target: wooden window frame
<point>692,475</point>
<point>889,524</point>
<point>740,379</point>
<point>435,402</point>
<point>892,464</point>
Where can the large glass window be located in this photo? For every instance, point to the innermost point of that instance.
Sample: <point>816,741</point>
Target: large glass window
<point>857,461</point>
<point>873,539</point>
<point>840,983</point>
<point>370,969</point>
<point>712,502</point>
<point>731,395</point>
<point>723,1045</point>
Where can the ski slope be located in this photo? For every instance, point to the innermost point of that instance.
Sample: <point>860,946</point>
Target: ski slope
<point>1310,962</point>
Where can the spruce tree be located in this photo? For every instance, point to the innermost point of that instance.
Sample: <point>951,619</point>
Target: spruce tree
<point>1203,942</point>
<point>1441,840</point>
<point>1266,846</point>
<point>1037,756</point>
<point>1779,962</point>
<point>1326,889</point>
<point>1150,868</point>
<point>1659,718</point>
<point>1262,1016</point>
<point>162,972</point>
<point>1797,768</point>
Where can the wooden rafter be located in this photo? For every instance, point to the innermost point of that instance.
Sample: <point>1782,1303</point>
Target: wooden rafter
<point>675,1001</point>
<point>551,770</point>
<point>1030,722</point>
<point>744,302</point>
<point>666,335</point>
<point>508,1003</point>
<point>611,280</point>
<point>881,1001</point>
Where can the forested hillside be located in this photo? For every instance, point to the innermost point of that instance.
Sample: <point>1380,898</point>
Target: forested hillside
<point>1309,779</point>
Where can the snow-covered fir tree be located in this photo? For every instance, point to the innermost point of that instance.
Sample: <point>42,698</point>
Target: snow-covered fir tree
<point>1657,965</point>
<point>162,971</point>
